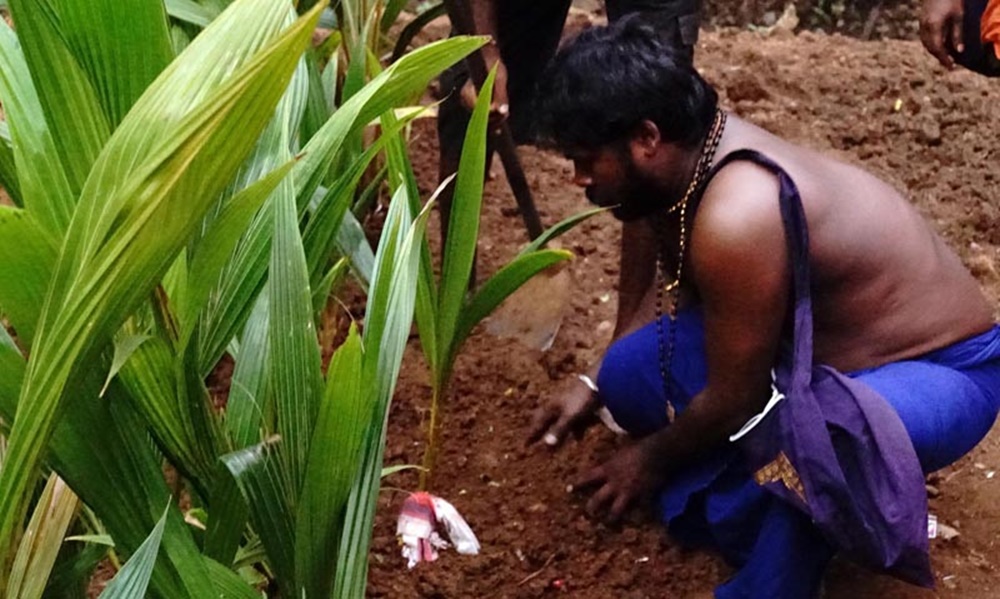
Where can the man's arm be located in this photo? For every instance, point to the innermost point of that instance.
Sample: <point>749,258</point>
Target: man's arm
<point>636,274</point>
<point>739,263</point>
<point>573,410</point>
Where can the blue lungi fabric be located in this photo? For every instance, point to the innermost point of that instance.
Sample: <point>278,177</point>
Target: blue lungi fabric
<point>947,399</point>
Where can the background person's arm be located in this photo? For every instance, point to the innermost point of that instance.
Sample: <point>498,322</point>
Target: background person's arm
<point>484,22</point>
<point>941,29</point>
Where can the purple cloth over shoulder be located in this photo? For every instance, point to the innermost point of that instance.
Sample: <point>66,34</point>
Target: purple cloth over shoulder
<point>833,447</point>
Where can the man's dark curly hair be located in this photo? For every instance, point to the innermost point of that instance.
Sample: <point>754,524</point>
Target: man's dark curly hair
<point>601,85</point>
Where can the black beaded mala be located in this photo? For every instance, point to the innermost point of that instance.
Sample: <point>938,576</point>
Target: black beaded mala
<point>667,342</point>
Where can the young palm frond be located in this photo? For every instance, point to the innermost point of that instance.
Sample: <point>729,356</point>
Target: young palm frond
<point>157,225</point>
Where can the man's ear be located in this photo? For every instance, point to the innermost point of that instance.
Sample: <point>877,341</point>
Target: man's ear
<point>644,140</point>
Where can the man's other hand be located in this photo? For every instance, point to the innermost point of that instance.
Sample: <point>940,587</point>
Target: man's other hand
<point>941,29</point>
<point>499,107</point>
<point>631,473</point>
<point>574,411</point>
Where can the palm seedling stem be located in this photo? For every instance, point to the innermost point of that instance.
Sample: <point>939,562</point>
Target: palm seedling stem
<point>433,436</point>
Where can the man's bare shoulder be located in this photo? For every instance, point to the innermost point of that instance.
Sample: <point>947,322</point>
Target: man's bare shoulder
<point>739,206</point>
<point>737,237</point>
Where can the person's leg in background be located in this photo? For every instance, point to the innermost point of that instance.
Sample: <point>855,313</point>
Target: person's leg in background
<point>528,34</point>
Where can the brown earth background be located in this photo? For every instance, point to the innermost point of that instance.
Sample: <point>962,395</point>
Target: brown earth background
<point>868,99</point>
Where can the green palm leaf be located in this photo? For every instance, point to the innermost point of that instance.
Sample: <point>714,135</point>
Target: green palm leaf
<point>115,471</point>
<point>242,278</point>
<point>247,401</point>
<point>212,255</point>
<point>353,244</point>
<point>425,309</point>
<point>30,255</point>
<point>77,124</point>
<point>37,554</point>
<point>245,276</point>
<point>344,415</point>
<point>133,579</point>
<point>12,368</point>
<point>105,46</point>
<point>463,226</point>
<point>190,11</point>
<point>149,189</point>
<point>395,86</point>
<point>559,228</point>
<point>388,321</point>
<point>257,470</point>
<point>8,172</point>
<point>176,411</point>
<point>320,235</point>
<point>44,186</point>
<point>227,520</point>
<point>295,374</point>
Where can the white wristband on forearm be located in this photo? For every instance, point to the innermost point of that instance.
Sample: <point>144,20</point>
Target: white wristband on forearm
<point>603,413</point>
<point>589,382</point>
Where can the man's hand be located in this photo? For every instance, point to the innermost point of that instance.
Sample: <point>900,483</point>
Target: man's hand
<point>499,107</point>
<point>632,473</point>
<point>572,411</point>
<point>941,29</point>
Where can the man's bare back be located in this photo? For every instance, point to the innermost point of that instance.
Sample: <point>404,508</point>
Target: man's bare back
<point>886,287</point>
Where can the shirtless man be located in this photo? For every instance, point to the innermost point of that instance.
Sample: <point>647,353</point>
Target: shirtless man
<point>892,304</point>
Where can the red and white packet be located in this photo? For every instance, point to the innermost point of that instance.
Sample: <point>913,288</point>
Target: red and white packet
<point>417,526</point>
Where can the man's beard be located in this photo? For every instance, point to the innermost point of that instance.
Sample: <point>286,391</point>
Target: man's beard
<point>636,198</point>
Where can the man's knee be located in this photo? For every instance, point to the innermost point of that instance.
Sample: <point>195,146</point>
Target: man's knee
<point>630,384</point>
<point>631,377</point>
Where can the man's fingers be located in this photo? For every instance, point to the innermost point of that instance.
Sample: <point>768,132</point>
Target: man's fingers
<point>940,52</point>
<point>592,479</point>
<point>550,424</point>
<point>601,498</point>
<point>540,423</point>
<point>558,430</point>
<point>499,109</point>
<point>932,35</point>
<point>957,41</point>
<point>622,501</point>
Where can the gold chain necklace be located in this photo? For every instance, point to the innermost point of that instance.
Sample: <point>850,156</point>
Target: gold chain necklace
<point>666,350</point>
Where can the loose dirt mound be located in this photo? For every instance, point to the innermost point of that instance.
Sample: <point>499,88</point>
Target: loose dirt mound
<point>881,104</point>
<point>867,19</point>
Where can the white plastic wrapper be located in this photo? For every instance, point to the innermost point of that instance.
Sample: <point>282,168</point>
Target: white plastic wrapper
<point>458,529</point>
<point>417,525</point>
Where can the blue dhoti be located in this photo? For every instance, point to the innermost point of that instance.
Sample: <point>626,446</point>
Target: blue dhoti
<point>947,400</point>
